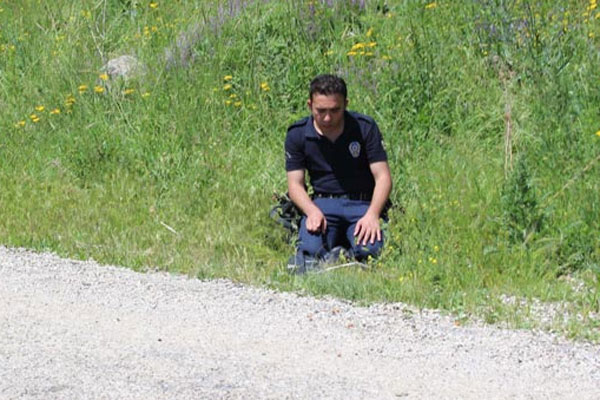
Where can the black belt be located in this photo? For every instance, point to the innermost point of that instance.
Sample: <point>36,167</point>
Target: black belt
<point>348,196</point>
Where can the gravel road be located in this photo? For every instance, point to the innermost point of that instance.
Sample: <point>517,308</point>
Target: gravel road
<point>79,330</point>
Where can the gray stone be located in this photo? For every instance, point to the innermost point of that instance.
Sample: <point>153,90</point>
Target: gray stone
<point>125,66</point>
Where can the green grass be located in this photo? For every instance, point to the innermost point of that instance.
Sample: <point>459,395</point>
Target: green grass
<point>174,169</point>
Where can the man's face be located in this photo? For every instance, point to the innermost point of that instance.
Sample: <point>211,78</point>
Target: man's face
<point>328,111</point>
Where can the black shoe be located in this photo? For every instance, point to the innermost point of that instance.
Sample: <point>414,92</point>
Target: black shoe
<point>299,264</point>
<point>339,254</point>
<point>341,257</point>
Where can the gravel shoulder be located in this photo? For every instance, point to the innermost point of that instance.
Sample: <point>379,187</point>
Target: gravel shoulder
<point>79,330</point>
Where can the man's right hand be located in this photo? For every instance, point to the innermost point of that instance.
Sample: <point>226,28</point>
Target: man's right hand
<point>316,222</point>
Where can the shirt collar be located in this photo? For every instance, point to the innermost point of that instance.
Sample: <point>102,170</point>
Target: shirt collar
<point>311,131</point>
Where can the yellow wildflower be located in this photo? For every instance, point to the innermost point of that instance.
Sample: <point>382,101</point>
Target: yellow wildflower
<point>431,5</point>
<point>40,108</point>
<point>328,52</point>
<point>372,44</point>
<point>370,32</point>
<point>598,133</point>
<point>227,78</point>
<point>34,118</point>
<point>20,124</point>
<point>98,89</point>
<point>357,46</point>
<point>154,28</point>
<point>104,77</point>
<point>228,102</point>
<point>146,94</point>
<point>237,104</point>
<point>55,111</point>
<point>70,100</point>
<point>232,96</point>
<point>128,91</point>
<point>265,86</point>
<point>82,88</point>
<point>153,5</point>
<point>227,86</point>
<point>351,53</point>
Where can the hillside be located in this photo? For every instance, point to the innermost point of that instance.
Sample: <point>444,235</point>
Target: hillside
<point>489,111</point>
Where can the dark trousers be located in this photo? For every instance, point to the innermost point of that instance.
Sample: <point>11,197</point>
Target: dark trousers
<point>342,216</point>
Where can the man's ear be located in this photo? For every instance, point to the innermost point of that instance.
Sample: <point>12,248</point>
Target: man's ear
<point>309,104</point>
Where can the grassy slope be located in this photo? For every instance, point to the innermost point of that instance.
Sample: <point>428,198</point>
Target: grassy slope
<point>178,174</point>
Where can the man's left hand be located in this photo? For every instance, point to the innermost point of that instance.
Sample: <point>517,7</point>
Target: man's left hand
<point>367,230</point>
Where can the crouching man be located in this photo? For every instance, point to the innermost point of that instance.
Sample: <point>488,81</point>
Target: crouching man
<point>347,165</point>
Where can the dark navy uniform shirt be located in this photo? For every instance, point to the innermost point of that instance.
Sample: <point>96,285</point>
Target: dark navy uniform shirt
<point>336,167</point>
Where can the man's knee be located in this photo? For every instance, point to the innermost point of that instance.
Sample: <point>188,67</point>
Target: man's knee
<point>311,244</point>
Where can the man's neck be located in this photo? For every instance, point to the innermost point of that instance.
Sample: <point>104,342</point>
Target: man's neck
<point>332,134</point>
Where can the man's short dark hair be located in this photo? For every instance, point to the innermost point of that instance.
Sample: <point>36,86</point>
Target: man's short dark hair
<point>328,84</point>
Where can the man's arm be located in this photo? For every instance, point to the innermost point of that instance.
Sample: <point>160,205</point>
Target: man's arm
<point>368,228</point>
<point>315,220</point>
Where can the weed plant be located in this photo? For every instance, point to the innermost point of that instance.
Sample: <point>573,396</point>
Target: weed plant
<point>489,110</point>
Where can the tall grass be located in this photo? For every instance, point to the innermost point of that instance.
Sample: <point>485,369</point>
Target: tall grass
<point>174,169</point>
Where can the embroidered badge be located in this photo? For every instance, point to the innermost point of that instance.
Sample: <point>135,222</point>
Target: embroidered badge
<point>354,148</point>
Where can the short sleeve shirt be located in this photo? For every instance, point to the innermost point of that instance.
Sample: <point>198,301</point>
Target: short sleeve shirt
<point>341,166</point>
